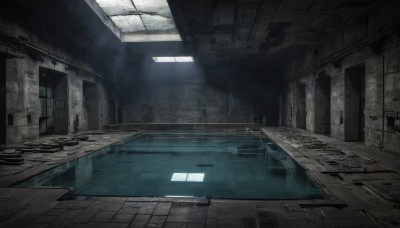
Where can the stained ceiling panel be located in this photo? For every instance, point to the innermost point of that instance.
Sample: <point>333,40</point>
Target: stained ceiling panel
<point>158,23</point>
<point>116,7</point>
<point>153,6</point>
<point>127,24</point>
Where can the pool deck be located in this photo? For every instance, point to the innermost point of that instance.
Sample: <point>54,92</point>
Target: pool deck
<point>363,184</point>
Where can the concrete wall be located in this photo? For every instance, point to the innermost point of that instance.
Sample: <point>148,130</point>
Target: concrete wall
<point>188,93</point>
<point>22,98</point>
<point>105,112</point>
<point>373,42</point>
<point>22,91</point>
<point>391,99</point>
<point>22,95</point>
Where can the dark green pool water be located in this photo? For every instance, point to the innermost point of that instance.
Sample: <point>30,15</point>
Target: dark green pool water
<point>208,164</point>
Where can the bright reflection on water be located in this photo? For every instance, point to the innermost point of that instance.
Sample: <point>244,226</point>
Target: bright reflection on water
<point>216,165</point>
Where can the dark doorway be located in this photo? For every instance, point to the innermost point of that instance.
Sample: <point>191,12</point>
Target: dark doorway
<point>119,115</point>
<point>112,107</point>
<point>53,95</point>
<point>354,121</point>
<point>3,111</point>
<point>323,106</point>
<point>91,105</point>
<point>301,106</point>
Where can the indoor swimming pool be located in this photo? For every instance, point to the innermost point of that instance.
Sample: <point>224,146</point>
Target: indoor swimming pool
<point>218,165</point>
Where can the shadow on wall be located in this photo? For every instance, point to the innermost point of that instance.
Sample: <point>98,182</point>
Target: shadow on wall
<point>190,93</point>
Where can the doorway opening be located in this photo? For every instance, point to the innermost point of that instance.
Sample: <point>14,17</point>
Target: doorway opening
<point>3,108</point>
<point>354,121</point>
<point>112,118</point>
<point>323,105</point>
<point>53,96</point>
<point>91,105</point>
<point>301,114</point>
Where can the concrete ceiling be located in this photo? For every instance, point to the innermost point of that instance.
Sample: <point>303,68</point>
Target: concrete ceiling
<point>214,31</point>
<point>261,30</point>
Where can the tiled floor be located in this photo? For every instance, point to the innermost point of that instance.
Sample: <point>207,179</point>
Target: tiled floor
<point>363,185</point>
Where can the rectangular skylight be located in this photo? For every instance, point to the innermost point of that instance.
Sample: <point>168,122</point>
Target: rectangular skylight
<point>142,20</point>
<point>137,37</point>
<point>184,59</point>
<point>170,59</point>
<point>164,59</point>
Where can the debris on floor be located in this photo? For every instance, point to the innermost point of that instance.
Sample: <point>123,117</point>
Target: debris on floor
<point>11,157</point>
<point>52,148</point>
<point>328,155</point>
<point>80,137</point>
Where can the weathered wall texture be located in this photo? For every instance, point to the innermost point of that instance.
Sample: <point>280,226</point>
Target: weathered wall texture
<point>22,93</point>
<point>373,44</point>
<point>187,94</point>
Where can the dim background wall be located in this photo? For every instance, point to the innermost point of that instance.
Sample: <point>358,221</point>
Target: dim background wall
<point>189,93</point>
